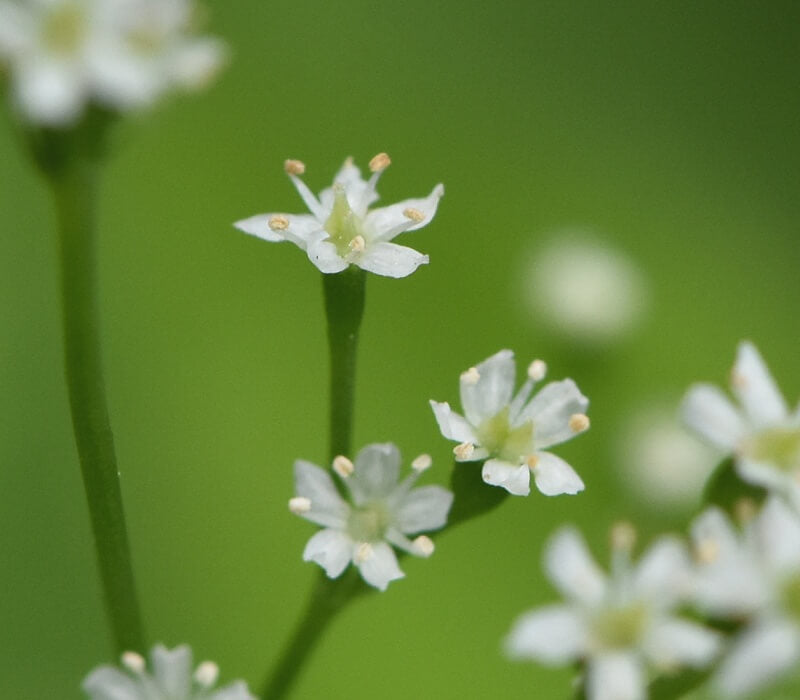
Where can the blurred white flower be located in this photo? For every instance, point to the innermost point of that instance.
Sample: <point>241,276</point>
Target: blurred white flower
<point>341,229</point>
<point>381,512</point>
<point>121,54</point>
<point>510,432</point>
<point>752,575</point>
<point>618,625</point>
<point>171,678</point>
<point>763,436</point>
<point>661,460</point>
<point>585,290</point>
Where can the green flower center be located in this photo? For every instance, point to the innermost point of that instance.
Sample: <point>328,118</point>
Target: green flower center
<point>369,524</point>
<point>791,597</point>
<point>343,226</point>
<point>503,441</point>
<point>779,446</point>
<point>64,28</point>
<point>619,627</point>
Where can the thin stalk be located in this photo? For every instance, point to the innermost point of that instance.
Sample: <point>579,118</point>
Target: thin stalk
<point>344,308</point>
<point>328,598</point>
<point>74,190</point>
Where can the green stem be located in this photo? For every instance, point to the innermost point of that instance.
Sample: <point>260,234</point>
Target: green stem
<point>344,308</point>
<point>328,597</point>
<point>74,188</point>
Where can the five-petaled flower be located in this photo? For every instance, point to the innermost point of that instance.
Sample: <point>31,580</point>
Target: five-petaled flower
<point>511,432</point>
<point>381,512</point>
<point>764,436</point>
<point>617,626</point>
<point>172,677</point>
<point>341,229</point>
<point>121,54</point>
<point>752,576</point>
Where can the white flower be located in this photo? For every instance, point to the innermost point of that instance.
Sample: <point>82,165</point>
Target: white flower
<point>510,432</point>
<point>752,575</point>
<point>342,230</point>
<point>764,436</point>
<point>171,678</point>
<point>618,625</point>
<point>585,290</point>
<point>121,54</point>
<point>381,512</point>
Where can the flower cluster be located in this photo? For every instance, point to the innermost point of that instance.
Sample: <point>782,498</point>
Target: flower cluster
<point>341,229</point>
<point>121,54</point>
<point>378,513</point>
<point>171,679</point>
<point>511,432</point>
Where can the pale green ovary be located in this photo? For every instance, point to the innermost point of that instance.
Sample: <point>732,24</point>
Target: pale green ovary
<point>779,446</point>
<point>619,627</point>
<point>369,524</point>
<point>64,28</point>
<point>342,225</point>
<point>791,597</point>
<point>511,444</point>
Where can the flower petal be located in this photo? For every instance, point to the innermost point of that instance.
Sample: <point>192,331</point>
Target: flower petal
<point>492,392</point>
<point>452,425</point>
<point>380,567</point>
<point>763,474</point>
<point>301,228</point>
<point>49,91</point>
<point>662,575</point>
<point>760,654</point>
<point>553,476</point>
<point>377,468</point>
<point>553,634</point>
<point>359,193</point>
<point>423,509</point>
<point>323,254</point>
<point>390,259</point>
<point>327,506</point>
<point>756,389</point>
<point>514,479</point>
<point>331,549</point>
<point>380,224</point>
<point>708,412</point>
<point>235,691</point>
<point>616,676</point>
<point>778,530</point>
<point>172,670</point>
<point>550,410</point>
<point>572,569</point>
<point>672,642</point>
<point>108,683</point>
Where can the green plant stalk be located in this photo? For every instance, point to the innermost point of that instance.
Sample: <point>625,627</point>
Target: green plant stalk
<point>74,186</point>
<point>344,309</point>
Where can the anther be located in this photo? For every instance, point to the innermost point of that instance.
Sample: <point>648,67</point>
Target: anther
<point>464,450</point>
<point>421,463</point>
<point>358,244</point>
<point>623,536</point>
<point>299,505</point>
<point>578,422</point>
<point>706,551</point>
<point>745,510</point>
<point>532,461</point>
<point>471,376</point>
<point>294,167</point>
<point>380,162</point>
<point>537,370</point>
<point>363,552</point>
<point>278,223</point>
<point>207,674</point>
<point>133,661</point>
<point>343,466</point>
<point>423,545</point>
<point>414,214</point>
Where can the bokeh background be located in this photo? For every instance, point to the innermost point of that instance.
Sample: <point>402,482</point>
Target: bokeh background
<point>666,132</point>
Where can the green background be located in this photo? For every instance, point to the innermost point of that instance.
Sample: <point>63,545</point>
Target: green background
<point>668,128</point>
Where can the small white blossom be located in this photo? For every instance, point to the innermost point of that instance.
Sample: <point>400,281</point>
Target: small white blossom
<point>341,229</point>
<point>619,626</point>
<point>121,54</point>
<point>763,435</point>
<point>510,432</point>
<point>380,512</point>
<point>171,678</point>
<point>752,575</point>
